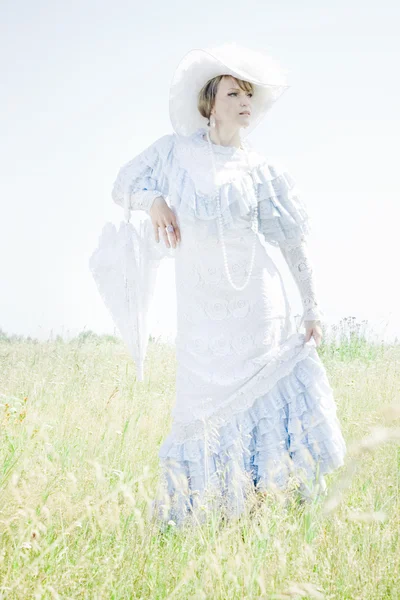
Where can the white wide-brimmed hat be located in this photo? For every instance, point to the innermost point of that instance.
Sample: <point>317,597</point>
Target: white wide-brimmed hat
<point>200,65</point>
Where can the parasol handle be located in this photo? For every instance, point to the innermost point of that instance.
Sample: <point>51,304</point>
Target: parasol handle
<point>140,370</point>
<point>127,208</point>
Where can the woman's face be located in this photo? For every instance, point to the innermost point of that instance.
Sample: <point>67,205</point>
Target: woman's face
<point>232,105</point>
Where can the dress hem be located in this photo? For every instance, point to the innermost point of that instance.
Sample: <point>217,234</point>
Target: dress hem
<point>291,428</point>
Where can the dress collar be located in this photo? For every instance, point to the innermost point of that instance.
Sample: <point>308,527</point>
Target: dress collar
<point>197,137</point>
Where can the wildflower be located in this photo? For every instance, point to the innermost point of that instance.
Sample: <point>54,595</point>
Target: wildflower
<point>26,545</point>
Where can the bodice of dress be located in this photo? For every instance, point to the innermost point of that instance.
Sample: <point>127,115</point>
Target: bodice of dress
<point>179,169</point>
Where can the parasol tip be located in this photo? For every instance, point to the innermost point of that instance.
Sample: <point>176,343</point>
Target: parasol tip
<point>140,370</point>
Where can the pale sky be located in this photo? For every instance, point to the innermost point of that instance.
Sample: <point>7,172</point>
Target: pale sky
<point>84,88</point>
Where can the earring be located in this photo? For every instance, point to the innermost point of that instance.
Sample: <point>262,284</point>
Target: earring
<point>212,121</point>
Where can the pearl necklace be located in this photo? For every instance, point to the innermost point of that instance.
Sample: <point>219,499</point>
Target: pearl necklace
<point>254,220</point>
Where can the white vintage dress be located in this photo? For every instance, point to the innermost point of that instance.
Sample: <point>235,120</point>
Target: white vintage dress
<point>253,402</point>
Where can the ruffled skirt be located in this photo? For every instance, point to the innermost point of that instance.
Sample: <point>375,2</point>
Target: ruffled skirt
<point>292,429</point>
<point>254,404</point>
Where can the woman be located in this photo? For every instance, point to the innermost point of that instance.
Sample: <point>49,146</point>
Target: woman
<point>253,403</point>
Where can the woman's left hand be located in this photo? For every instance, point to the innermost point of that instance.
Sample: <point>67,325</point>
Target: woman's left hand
<point>313,328</point>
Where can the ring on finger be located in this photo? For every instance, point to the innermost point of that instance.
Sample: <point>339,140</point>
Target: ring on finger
<point>170,228</point>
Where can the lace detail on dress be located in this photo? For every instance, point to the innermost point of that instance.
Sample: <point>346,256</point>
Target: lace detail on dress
<point>298,261</point>
<point>275,364</point>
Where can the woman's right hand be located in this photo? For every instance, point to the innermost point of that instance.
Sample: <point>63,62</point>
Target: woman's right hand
<point>161,215</point>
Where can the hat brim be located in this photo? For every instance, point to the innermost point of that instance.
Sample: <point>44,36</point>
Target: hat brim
<point>200,65</point>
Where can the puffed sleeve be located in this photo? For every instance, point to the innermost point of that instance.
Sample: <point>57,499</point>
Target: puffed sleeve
<point>284,221</point>
<point>145,177</point>
<point>283,216</point>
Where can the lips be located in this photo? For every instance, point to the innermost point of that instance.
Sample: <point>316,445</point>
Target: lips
<point>245,112</point>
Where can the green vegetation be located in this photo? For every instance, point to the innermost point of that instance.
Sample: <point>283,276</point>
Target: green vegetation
<point>79,439</point>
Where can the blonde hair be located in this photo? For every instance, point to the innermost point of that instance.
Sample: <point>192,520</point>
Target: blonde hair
<point>208,92</point>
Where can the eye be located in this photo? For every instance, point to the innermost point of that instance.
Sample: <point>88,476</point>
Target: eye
<point>235,94</point>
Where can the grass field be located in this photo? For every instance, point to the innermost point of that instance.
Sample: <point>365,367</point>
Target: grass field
<point>79,466</point>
